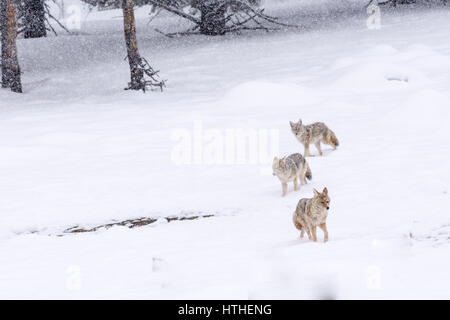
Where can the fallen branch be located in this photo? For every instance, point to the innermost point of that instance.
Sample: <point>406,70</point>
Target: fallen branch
<point>132,223</point>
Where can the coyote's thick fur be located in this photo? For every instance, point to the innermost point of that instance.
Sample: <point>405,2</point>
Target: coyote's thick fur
<point>312,213</point>
<point>313,134</point>
<point>289,169</point>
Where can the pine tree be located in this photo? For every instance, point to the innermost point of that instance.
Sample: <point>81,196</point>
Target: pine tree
<point>218,17</point>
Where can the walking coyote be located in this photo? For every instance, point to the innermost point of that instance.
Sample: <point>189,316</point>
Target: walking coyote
<point>313,134</point>
<point>311,213</point>
<point>289,169</point>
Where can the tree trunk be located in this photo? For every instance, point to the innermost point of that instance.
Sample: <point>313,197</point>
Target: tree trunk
<point>34,19</point>
<point>10,63</point>
<point>213,18</point>
<point>134,58</point>
<point>4,41</point>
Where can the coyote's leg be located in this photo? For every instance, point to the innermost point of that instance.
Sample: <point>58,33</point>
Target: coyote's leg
<point>284,188</point>
<point>306,153</point>
<point>302,177</point>
<point>317,144</point>
<point>314,234</point>
<point>295,184</point>
<point>323,226</point>
<point>302,232</point>
<point>308,232</point>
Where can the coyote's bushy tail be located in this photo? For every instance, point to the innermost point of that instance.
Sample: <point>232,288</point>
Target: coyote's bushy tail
<point>297,224</point>
<point>331,137</point>
<point>308,173</point>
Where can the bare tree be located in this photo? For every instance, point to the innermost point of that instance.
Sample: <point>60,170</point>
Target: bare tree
<point>139,67</point>
<point>10,63</point>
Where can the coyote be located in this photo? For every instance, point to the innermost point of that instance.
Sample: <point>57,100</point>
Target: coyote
<point>289,168</point>
<point>311,213</point>
<point>313,134</point>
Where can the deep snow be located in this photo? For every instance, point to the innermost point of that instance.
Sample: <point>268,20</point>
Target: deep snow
<point>78,150</point>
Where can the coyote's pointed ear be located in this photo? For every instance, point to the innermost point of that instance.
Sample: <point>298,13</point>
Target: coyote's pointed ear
<point>292,124</point>
<point>299,122</point>
<point>316,193</point>
<point>325,190</point>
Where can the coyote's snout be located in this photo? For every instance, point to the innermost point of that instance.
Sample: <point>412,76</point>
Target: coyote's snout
<point>289,169</point>
<point>313,134</point>
<point>311,213</point>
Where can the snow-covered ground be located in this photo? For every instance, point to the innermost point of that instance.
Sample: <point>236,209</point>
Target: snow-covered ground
<point>78,150</point>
